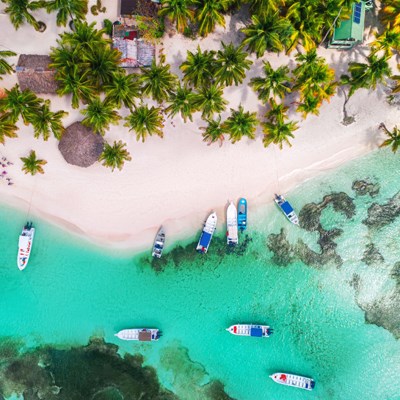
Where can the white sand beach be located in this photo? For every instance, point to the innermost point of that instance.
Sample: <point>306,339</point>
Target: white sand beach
<point>176,181</point>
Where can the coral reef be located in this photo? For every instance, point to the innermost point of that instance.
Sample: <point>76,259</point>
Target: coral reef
<point>381,215</point>
<point>372,255</point>
<point>364,187</point>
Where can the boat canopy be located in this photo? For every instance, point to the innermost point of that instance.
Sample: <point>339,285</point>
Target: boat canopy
<point>257,332</point>
<point>205,239</point>
<point>145,336</point>
<point>287,208</point>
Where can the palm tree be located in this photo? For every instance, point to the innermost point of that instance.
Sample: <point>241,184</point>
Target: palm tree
<point>18,103</point>
<point>182,102</point>
<point>309,105</point>
<point>32,165</point>
<point>77,84</point>
<point>145,122</point>
<point>209,101</point>
<point>178,11</point>
<point>267,32</point>
<point>367,75</point>
<point>7,128</point>
<point>5,67</point>
<point>264,6</point>
<point>45,121</point>
<point>76,10</point>
<point>231,65</point>
<point>157,81</point>
<point>65,58</point>
<point>214,131</point>
<point>394,137</point>
<point>277,112</point>
<point>19,12</point>
<point>85,37</point>
<point>278,133</point>
<point>209,13</point>
<point>199,68</point>
<point>390,13</point>
<point>123,89</point>
<point>388,41</point>
<point>115,156</point>
<point>240,123</point>
<point>99,115</point>
<point>276,82</point>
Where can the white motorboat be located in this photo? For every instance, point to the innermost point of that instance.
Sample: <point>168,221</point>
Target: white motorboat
<point>25,245</point>
<point>159,243</point>
<point>141,334</point>
<point>297,381</point>
<point>231,225</point>
<point>286,208</point>
<point>250,330</point>
<point>207,233</point>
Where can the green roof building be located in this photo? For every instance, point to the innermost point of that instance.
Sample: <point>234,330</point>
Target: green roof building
<point>350,32</point>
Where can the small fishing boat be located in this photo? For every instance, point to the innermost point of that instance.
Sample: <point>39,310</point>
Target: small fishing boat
<point>250,330</point>
<point>141,334</point>
<point>286,208</point>
<point>231,225</point>
<point>159,242</point>
<point>242,214</point>
<point>207,233</point>
<point>25,245</point>
<point>297,381</point>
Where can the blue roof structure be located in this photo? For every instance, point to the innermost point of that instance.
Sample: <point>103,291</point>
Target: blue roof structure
<point>287,208</point>
<point>256,332</point>
<point>205,239</point>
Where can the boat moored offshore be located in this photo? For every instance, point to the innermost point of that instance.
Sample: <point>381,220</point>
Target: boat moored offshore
<point>159,243</point>
<point>242,214</point>
<point>25,245</point>
<point>231,225</point>
<point>250,330</point>
<point>286,208</point>
<point>297,381</point>
<point>140,334</point>
<point>207,233</point>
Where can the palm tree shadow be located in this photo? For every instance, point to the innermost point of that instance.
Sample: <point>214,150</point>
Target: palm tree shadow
<point>177,60</point>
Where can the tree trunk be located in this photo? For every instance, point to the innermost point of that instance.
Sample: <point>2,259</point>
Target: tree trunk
<point>347,119</point>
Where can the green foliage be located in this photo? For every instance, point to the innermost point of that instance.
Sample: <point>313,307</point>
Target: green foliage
<point>199,68</point>
<point>390,12</point>
<point>145,122</point>
<point>150,29</point>
<point>275,83</point>
<point>115,156</point>
<point>99,115</point>
<point>5,67</point>
<point>8,129</point>
<point>388,41</point>
<point>19,12</point>
<point>231,65</point>
<point>240,123</point>
<point>75,10</point>
<point>178,11</point>
<point>267,32</point>
<point>158,82</point>
<point>393,140</point>
<point>214,131</point>
<point>123,89</point>
<point>182,102</point>
<point>209,101</point>
<point>32,165</point>
<point>108,27</point>
<point>209,13</point>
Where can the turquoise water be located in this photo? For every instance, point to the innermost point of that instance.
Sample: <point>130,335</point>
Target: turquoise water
<point>73,290</point>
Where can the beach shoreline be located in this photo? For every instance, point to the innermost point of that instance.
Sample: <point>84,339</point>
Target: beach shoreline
<point>176,181</point>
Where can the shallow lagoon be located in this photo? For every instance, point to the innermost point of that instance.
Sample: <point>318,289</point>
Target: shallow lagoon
<point>73,290</point>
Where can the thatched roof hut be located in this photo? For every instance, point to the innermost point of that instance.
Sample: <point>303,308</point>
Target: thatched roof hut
<point>33,73</point>
<point>80,146</point>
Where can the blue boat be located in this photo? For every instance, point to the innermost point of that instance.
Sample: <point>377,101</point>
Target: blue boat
<point>286,208</point>
<point>207,233</point>
<point>242,214</point>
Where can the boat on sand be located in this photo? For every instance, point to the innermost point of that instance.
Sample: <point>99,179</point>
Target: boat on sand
<point>207,233</point>
<point>231,225</point>
<point>159,243</point>
<point>25,245</point>
<point>297,381</point>
<point>140,334</point>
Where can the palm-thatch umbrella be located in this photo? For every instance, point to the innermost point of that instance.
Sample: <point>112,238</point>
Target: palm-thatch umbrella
<point>81,146</point>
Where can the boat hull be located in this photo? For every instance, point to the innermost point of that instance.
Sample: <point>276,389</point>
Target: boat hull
<point>242,214</point>
<point>297,381</point>
<point>251,330</point>
<point>159,242</point>
<point>25,246</point>
<point>207,233</point>
<point>232,238</point>
<point>140,334</point>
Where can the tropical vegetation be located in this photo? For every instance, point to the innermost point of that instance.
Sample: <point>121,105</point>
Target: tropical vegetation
<point>241,123</point>
<point>210,13</point>
<point>32,165</point>
<point>19,12</point>
<point>179,12</point>
<point>5,67</point>
<point>75,10</point>
<point>115,156</point>
<point>181,102</point>
<point>209,101</point>
<point>123,90</point>
<point>393,139</point>
<point>8,129</point>
<point>214,131</point>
